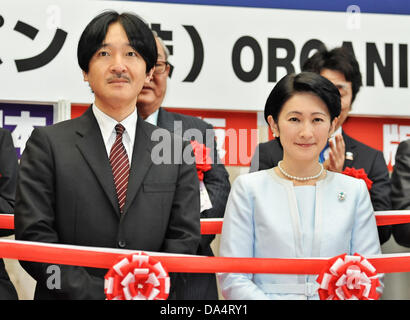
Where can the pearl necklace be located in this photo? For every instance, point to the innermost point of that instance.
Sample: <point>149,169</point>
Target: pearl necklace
<point>300,178</point>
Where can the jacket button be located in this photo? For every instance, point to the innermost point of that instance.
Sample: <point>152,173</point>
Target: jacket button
<point>121,244</point>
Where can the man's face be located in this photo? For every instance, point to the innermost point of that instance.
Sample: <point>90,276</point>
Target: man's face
<point>153,93</point>
<point>116,72</point>
<point>345,90</point>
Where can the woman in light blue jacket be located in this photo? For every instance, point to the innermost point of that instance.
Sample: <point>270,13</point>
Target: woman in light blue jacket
<point>297,209</point>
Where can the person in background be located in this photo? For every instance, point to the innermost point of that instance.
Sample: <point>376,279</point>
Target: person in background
<point>342,151</point>
<point>199,286</point>
<point>95,180</point>
<point>8,181</point>
<point>400,194</point>
<point>297,209</point>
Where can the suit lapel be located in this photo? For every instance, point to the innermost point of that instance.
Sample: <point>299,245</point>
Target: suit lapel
<point>141,161</point>
<point>165,120</point>
<point>91,146</point>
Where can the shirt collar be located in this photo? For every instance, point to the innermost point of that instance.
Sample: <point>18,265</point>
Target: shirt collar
<point>107,124</point>
<point>153,118</point>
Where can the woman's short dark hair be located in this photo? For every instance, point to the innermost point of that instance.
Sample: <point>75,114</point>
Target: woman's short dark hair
<point>340,59</point>
<point>303,82</point>
<point>138,33</point>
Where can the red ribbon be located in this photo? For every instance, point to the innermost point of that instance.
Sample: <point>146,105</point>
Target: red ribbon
<point>214,226</point>
<point>202,159</point>
<point>128,280</point>
<point>137,276</point>
<point>359,174</point>
<point>211,226</point>
<point>385,218</point>
<point>348,278</point>
<point>106,257</point>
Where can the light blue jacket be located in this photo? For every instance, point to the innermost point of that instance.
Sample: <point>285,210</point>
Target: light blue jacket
<point>262,220</point>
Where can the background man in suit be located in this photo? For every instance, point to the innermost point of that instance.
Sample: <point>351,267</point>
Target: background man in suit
<point>71,185</point>
<point>216,180</point>
<point>400,192</point>
<point>340,67</point>
<point>8,179</point>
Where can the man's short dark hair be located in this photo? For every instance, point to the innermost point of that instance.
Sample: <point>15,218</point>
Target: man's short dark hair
<point>138,33</point>
<point>339,59</point>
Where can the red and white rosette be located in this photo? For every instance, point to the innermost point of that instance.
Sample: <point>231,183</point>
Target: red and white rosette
<point>203,163</point>
<point>202,159</point>
<point>137,276</point>
<point>348,278</point>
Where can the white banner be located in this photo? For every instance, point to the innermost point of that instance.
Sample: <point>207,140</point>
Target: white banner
<point>240,53</point>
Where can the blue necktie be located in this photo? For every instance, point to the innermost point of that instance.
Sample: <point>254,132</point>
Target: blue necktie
<point>322,153</point>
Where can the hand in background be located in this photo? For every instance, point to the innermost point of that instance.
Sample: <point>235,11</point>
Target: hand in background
<point>336,155</point>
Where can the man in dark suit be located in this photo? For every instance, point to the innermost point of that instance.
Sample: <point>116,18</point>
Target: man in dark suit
<point>8,179</point>
<point>400,193</point>
<point>97,180</point>
<point>216,180</point>
<point>342,69</point>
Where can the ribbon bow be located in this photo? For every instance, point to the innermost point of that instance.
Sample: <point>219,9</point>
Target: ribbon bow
<point>137,277</point>
<point>348,278</point>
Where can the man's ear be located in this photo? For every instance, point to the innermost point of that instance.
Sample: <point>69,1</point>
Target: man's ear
<point>167,69</point>
<point>85,76</point>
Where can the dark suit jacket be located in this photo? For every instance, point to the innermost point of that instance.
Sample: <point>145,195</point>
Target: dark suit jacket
<point>400,195</point>
<point>216,180</point>
<point>371,160</point>
<point>66,194</point>
<point>8,179</point>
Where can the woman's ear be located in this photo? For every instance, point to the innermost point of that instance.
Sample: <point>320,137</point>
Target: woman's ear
<point>273,126</point>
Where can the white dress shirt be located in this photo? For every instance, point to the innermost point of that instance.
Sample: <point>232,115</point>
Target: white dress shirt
<point>107,127</point>
<point>153,118</point>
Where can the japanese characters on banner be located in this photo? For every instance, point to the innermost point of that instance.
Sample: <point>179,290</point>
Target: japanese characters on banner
<point>224,58</point>
<point>21,119</point>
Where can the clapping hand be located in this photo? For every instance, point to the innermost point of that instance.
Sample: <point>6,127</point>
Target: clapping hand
<point>336,155</point>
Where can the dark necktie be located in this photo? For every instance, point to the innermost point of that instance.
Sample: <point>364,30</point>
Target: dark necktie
<point>120,166</point>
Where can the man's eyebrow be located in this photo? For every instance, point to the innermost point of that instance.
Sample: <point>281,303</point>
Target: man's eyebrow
<point>125,44</point>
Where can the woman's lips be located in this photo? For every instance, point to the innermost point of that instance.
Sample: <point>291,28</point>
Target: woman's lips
<point>305,145</point>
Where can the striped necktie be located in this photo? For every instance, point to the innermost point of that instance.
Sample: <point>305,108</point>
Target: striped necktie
<point>120,166</point>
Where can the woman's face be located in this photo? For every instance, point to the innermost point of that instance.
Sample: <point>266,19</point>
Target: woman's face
<point>303,126</point>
